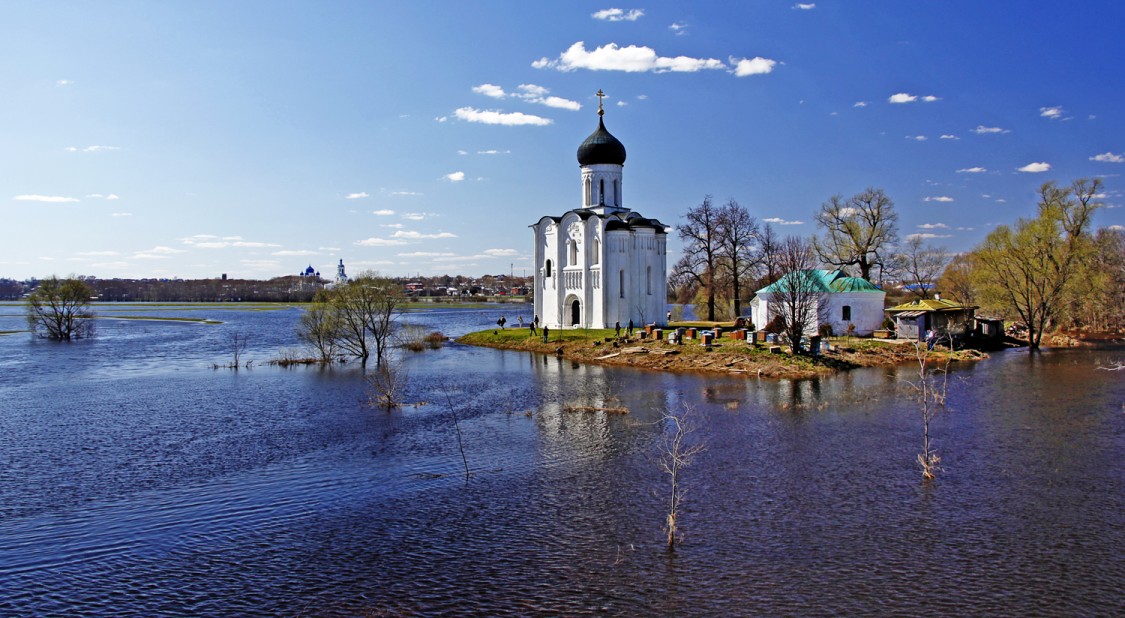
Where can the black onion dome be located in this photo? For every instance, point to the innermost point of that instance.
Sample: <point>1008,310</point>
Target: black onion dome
<point>600,148</point>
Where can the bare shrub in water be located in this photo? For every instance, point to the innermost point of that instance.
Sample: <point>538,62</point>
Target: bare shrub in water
<point>386,385</point>
<point>930,390</point>
<point>677,454</point>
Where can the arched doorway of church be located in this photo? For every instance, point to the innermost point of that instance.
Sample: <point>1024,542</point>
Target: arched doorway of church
<point>575,313</point>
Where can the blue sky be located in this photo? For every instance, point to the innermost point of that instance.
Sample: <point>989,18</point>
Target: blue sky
<point>191,139</point>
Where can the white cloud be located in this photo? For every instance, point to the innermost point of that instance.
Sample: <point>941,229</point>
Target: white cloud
<point>860,104</point>
<point>63,82</point>
<point>983,130</point>
<point>405,193</point>
<point>934,226</point>
<point>972,170</point>
<point>948,136</point>
<point>927,235</point>
<point>939,198</point>
<point>753,66</point>
<point>622,104</point>
<point>99,196</point>
<point>356,196</point>
<point>455,176</point>
<point>560,103</point>
<point>157,253</point>
<point>1035,168</point>
<point>52,199</point>
<point>294,252</point>
<point>493,152</point>
<point>98,253</point>
<point>903,97</point>
<point>417,216</point>
<point>917,138</point>
<point>630,59</point>
<point>501,252</point>
<point>804,7</point>
<point>780,221</point>
<point>381,242</point>
<point>490,90</point>
<point>679,28</point>
<point>532,90</point>
<point>1054,113</point>
<point>423,254</point>
<point>618,15</point>
<point>94,148</point>
<point>385,212</point>
<point>470,114</point>
<point>412,235</point>
<point>1108,157</point>
<point>1117,228</point>
<point>121,214</point>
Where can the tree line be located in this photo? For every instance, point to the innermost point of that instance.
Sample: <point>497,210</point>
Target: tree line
<point>1046,272</point>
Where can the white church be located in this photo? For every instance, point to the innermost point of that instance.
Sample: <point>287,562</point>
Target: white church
<point>602,263</point>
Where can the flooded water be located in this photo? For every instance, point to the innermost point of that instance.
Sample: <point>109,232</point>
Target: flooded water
<point>135,479</point>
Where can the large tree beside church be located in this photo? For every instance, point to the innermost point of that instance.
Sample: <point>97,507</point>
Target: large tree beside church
<point>700,262</point>
<point>859,231</point>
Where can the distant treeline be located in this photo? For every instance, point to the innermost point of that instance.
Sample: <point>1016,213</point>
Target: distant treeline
<point>291,288</point>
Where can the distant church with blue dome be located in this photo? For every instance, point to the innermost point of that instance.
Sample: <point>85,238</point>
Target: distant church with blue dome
<point>602,263</point>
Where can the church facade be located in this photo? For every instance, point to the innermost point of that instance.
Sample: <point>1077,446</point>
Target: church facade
<point>600,264</point>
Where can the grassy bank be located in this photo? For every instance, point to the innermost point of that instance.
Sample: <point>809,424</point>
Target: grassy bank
<point>726,356</point>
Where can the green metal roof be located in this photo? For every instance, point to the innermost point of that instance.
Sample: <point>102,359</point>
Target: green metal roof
<point>823,281</point>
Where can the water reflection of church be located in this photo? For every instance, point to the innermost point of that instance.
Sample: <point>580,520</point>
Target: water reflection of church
<point>601,263</point>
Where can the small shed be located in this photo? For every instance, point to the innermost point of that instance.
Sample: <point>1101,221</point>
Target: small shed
<point>912,320</point>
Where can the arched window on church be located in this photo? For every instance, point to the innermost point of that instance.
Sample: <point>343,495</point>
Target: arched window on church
<point>648,281</point>
<point>601,191</point>
<point>548,269</point>
<point>617,193</point>
<point>595,249</point>
<point>587,190</point>
<point>573,252</point>
<point>621,284</point>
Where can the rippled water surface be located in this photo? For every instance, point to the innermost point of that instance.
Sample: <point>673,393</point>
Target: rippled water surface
<point>135,479</point>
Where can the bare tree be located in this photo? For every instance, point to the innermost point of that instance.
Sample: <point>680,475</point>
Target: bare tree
<point>770,245</point>
<point>931,392</point>
<point>858,231</point>
<point>59,309</point>
<point>366,306</point>
<point>1028,269</point>
<point>677,454</point>
<point>387,385</point>
<point>700,261</point>
<point>737,235</point>
<point>957,279</point>
<point>920,265</point>
<point>799,298</point>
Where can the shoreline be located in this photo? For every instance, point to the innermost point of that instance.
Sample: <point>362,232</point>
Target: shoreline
<point>726,357</point>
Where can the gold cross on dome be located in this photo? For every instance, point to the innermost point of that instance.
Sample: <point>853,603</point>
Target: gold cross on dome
<point>600,95</point>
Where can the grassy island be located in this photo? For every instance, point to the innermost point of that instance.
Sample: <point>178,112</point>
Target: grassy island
<point>725,356</point>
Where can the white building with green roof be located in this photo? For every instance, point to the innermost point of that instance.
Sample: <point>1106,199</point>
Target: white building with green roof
<point>845,301</point>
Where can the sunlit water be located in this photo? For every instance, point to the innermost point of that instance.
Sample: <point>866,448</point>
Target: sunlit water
<point>135,479</point>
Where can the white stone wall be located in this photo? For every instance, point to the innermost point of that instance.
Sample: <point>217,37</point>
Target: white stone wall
<point>866,311</point>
